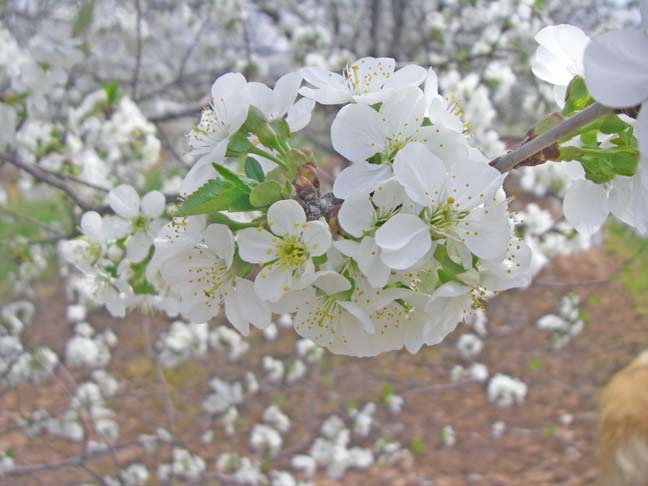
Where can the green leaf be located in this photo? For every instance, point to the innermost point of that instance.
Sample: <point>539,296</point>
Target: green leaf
<point>230,223</point>
<point>570,153</point>
<point>138,282</point>
<point>112,92</point>
<point>590,138</point>
<point>282,130</point>
<point>257,124</point>
<point>597,169</point>
<point>265,194</point>
<point>577,97</point>
<point>625,160</point>
<point>612,124</point>
<point>239,145</point>
<point>240,267</point>
<point>450,267</point>
<point>83,18</point>
<point>253,169</point>
<point>230,176</point>
<point>217,195</point>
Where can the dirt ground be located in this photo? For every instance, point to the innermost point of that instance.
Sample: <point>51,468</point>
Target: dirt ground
<point>536,448</point>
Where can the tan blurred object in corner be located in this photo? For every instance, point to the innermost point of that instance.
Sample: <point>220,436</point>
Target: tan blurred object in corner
<point>623,427</point>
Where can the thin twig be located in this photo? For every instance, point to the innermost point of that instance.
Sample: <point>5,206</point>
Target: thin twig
<point>509,161</point>
<point>138,49</point>
<point>42,176</point>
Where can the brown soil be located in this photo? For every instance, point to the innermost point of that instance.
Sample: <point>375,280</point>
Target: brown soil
<point>535,449</point>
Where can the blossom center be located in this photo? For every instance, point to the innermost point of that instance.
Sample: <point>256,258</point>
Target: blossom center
<point>291,252</point>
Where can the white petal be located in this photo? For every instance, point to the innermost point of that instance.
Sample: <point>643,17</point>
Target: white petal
<point>286,217</point>
<point>629,199</point>
<point>272,284</point>
<point>261,97</point>
<point>347,247</point>
<point>472,183</point>
<point>230,100</point>
<point>125,201</point>
<point>360,177</point>
<point>586,206</point>
<point>234,313</point>
<point>372,72</point>
<point>92,226</point>
<point>138,246</point>
<point>357,132</point>
<point>449,145</point>
<point>410,75</point>
<point>317,237</point>
<point>431,86</point>
<point>370,263</point>
<point>202,170</point>
<point>486,231</point>
<point>331,282</point>
<point>420,172</point>
<point>560,55</point>
<point>357,214</point>
<point>256,245</point>
<point>399,231</point>
<point>285,93</point>
<point>641,129</point>
<point>361,314</point>
<point>220,240</point>
<point>410,254</point>
<point>326,96</point>
<point>153,204</point>
<point>299,114</point>
<point>243,306</point>
<point>403,112</point>
<point>616,67</point>
<point>321,78</point>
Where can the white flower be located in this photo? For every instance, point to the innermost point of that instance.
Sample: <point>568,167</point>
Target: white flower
<point>505,391</point>
<point>459,204</point>
<point>437,108</point>
<point>142,216</point>
<point>394,403</point>
<point>587,204</point>
<point>559,57</point>
<point>360,216</point>
<point>202,275</point>
<point>304,463</point>
<point>365,323</point>
<point>287,252</point>
<point>359,132</point>
<point>448,436</point>
<point>469,346</point>
<point>368,80</point>
<point>616,74</point>
<point>208,141</point>
<point>363,420</point>
<point>274,369</point>
<point>279,102</point>
<point>276,418</point>
<point>616,71</point>
<point>296,371</point>
<point>266,440</point>
<point>223,396</point>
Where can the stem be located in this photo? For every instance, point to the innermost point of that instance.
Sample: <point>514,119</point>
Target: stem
<point>512,159</point>
<point>269,156</point>
<point>43,176</point>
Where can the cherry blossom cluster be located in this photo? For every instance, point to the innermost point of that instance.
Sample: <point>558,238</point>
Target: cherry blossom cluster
<point>414,235</point>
